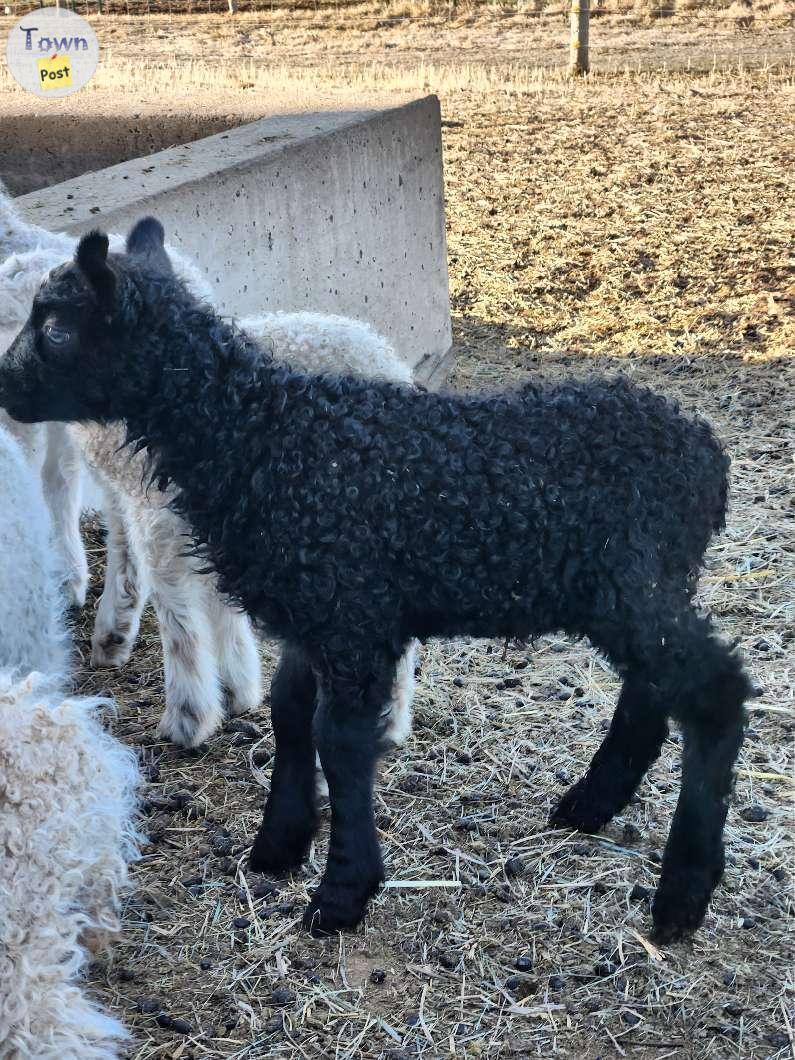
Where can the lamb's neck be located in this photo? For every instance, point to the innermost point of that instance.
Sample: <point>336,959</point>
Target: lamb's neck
<point>200,390</point>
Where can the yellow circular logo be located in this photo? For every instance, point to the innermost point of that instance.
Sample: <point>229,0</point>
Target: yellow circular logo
<point>52,52</point>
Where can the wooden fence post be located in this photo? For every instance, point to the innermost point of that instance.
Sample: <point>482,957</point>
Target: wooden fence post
<point>578,37</point>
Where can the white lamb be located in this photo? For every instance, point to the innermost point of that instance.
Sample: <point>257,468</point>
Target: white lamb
<point>27,252</point>
<point>211,661</point>
<point>67,792</point>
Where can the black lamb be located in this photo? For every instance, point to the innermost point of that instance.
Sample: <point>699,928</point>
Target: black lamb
<point>348,516</point>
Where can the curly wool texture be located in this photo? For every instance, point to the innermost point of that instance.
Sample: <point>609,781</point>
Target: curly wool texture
<point>345,513</point>
<point>310,341</point>
<point>67,793</point>
<point>349,514</point>
<point>66,801</point>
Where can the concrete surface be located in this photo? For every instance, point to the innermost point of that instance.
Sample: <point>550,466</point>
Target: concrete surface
<point>338,212</point>
<point>43,148</point>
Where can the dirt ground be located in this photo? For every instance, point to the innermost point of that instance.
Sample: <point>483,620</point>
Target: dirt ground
<point>641,222</point>
<point>164,81</point>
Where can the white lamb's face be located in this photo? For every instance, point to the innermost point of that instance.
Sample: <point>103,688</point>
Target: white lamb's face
<point>21,275</point>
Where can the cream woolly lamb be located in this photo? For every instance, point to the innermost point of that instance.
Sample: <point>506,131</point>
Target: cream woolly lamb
<point>67,792</point>
<point>322,342</point>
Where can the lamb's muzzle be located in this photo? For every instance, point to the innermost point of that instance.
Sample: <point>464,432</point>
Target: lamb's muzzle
<point>347,516</point>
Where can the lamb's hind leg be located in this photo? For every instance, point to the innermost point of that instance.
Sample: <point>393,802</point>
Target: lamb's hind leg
<point>693,677</point>
<point>194,698</point>
<point>632,743</point>
<point>124,593</point>
<point>707,693</point>
<point>237,653</point>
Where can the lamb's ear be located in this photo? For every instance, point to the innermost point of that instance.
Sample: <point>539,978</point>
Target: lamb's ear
<point>92,257</point>
<point>147,240</point>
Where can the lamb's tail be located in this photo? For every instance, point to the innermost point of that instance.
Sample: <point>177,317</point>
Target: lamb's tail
<point>719,513</point>
<point>714,477</point>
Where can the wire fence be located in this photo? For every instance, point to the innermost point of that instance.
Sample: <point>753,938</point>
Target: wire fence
<point>316,14</point>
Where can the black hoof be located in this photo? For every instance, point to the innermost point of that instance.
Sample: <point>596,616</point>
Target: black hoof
<point>682,898</point>
<point>279,850</point>
<point>667,935</point>
<point>579,812</point>
<point>335,908</point>
<point>676,915</point>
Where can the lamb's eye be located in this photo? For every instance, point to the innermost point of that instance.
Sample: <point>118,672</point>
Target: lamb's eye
<point>56,335</point>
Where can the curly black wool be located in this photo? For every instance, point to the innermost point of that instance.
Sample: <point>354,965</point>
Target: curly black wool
<point>347,516</point>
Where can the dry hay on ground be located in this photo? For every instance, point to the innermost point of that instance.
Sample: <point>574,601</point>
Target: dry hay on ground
<point>634,214</point>
<point>641,218</point>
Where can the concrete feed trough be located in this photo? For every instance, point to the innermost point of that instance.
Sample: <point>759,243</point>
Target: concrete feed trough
<point>338,212</point>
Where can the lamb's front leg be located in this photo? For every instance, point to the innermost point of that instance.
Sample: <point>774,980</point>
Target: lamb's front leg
<point>290,818</point>
<point>237,652</point>
<point>125,590</point>
<point>63,491</point>
<point>194,697</point>
<point>348,726</point>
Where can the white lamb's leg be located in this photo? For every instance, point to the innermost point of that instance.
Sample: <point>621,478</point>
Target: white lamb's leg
<point>237,653</point>
<point>194,698</point>
<point>63,492</point>
<point>398,727</point>
<point>125,591</point>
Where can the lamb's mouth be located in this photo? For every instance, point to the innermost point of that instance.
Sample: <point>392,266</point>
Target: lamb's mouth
<point>24,408</point>
<point>23,414</point>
